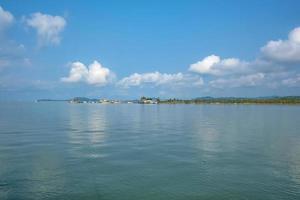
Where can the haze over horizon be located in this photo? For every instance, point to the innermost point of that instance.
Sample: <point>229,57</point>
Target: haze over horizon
<point>169,49</point>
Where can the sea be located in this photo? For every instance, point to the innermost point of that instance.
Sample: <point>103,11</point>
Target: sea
<point>58,150</point>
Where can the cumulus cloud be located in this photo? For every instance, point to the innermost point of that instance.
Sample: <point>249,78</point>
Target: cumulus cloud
<point>154,78</point>
<point>214,65</point>
<point>274,67</point>
<point>246,80</point>
<point>48,27</point>
<point>77,73</point>
<point>94,74</point>
<point>284,50</point>
<point>161,79</point>
<point>6,19</point>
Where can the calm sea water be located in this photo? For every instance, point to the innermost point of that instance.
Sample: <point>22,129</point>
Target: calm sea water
<point>93,151</point>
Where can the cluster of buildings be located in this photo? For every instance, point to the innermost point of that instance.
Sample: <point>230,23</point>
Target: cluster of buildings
<point>143,100</point>
<point>148,101</point>
<point>87,100</point>
<point>105,101</point>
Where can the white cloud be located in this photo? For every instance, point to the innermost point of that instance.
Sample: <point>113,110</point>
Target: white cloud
<point>284,50</point>
<point>48,27</point>
<point>97,74</point>
<point>275,67</point>
<point>6,19</point>
<point>214,65</point>
<point>246,80</point>
<point>160,79</point>
<point>94,74</point>
<point>155,78</point>
<point>78,72</point>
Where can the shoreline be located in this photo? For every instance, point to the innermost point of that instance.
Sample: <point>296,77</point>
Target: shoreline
<point>286,100</point>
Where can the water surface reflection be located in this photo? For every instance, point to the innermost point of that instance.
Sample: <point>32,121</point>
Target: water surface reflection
<point>93,151</point>
<point>87,129</point>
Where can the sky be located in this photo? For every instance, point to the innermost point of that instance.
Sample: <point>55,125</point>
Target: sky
<point>168,49</point>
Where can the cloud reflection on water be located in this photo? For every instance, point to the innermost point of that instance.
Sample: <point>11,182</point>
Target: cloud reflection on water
<point>87,129</point>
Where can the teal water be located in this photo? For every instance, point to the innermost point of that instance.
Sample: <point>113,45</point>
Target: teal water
<point>94,151</point>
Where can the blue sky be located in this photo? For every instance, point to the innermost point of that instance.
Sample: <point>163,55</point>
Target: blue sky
<point>126,49</point>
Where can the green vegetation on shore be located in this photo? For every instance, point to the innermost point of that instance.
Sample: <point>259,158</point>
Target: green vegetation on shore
<point>234,100</point>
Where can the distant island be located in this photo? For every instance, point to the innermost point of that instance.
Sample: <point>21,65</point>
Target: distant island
<point>199,100</point>
<point>236,100</point>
